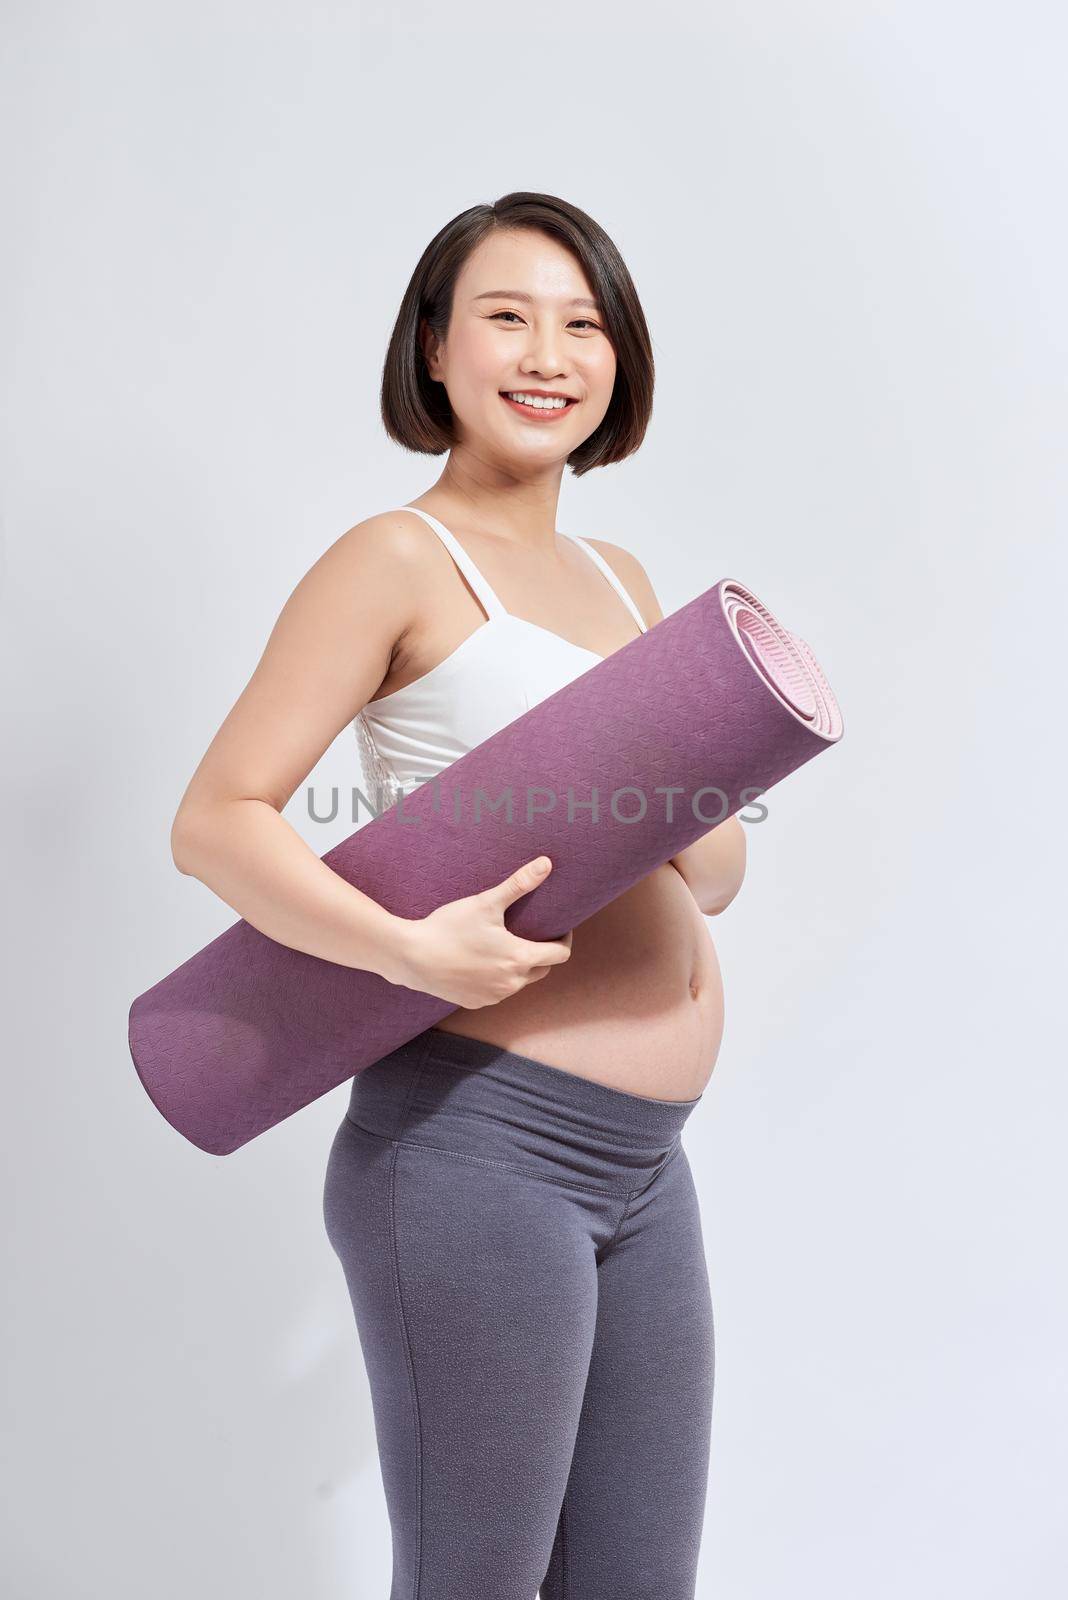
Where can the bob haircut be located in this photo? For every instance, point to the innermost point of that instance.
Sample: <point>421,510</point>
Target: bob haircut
<point>415,410</point>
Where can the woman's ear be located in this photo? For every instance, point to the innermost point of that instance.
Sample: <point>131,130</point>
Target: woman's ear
<point>429,345</point>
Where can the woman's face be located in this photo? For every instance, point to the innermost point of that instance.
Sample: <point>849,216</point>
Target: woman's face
<point>523,319</point>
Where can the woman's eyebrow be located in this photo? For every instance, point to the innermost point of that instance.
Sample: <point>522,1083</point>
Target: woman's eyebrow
<point>517,294</point>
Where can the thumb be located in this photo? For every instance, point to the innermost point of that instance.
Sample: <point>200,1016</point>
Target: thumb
<point>522,880</point>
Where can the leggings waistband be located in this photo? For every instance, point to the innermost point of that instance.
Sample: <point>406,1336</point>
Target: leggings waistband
<point>469,1097</point>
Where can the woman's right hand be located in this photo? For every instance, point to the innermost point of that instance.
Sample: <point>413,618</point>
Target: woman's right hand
<point>463,953</point>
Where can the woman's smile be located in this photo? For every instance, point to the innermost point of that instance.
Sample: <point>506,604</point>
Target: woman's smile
<point>546,410</point>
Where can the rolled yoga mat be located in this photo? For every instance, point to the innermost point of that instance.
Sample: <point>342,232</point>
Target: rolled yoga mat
<point>714,703</point>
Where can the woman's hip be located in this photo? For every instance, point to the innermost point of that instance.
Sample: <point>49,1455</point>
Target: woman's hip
<point>478,1101</point>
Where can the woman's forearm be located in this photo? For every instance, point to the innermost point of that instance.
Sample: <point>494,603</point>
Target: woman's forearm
<point>714,865</point>
<point>250,856</point>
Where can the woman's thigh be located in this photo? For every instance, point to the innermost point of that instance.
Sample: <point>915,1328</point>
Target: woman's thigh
<point>633,1511</point>
<point>474,1287</point>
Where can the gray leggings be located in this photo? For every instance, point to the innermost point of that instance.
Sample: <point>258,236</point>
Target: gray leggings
<point>523,1251</point>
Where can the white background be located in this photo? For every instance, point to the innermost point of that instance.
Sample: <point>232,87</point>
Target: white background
<point>847,226</point>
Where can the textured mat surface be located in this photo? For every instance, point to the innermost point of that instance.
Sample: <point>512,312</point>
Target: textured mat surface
<point>716,703</point>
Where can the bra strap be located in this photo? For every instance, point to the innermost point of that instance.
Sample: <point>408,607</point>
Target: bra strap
<point>613,580</point>
<point>486,595</point>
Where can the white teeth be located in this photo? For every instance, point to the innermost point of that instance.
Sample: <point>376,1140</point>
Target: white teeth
<point>538,401</point>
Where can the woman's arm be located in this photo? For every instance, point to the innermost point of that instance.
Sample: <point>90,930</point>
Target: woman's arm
<point>327,654</point>
<point>713,867</point>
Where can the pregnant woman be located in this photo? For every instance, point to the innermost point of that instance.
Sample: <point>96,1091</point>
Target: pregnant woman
<point>507,1193</point>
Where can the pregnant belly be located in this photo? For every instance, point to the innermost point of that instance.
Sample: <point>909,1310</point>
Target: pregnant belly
<point>639,1005</point>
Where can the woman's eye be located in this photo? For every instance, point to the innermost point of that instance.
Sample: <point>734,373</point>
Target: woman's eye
<point>585,321</point>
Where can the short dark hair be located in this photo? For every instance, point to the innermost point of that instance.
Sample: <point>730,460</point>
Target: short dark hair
<point>416,411</point>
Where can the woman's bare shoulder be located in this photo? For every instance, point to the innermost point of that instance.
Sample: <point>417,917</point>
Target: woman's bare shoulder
<point>396,538</point>
<point>633,576</point>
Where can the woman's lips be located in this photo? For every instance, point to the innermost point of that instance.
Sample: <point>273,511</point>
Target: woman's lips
<point>539,413</point>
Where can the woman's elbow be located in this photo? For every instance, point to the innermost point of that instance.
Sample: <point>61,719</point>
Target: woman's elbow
<point>713,907</point>
<point>732,869</point>
<point>183,844</point>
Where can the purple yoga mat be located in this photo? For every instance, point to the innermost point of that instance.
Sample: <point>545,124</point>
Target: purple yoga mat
<point>718,701</point>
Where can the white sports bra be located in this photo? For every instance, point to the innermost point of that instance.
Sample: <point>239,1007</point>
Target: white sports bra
<point>492,677</point>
